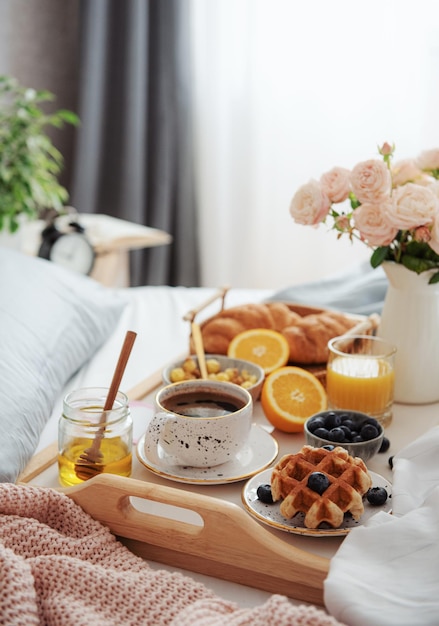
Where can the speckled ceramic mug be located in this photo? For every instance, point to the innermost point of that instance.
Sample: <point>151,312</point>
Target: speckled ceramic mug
<point>200,423</point>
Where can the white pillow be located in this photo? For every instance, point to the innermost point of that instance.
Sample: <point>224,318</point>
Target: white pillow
<point>52,321</point>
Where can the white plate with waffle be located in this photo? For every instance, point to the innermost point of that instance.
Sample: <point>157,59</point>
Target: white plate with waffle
<point>270,513</point>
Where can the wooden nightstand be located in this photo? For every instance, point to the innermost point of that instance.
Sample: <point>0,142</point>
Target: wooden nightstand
<point>112,239</point>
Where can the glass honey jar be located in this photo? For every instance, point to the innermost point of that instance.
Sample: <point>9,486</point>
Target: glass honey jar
<point>84,424</point>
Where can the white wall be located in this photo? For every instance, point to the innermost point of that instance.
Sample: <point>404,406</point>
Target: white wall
<point>286,90</point>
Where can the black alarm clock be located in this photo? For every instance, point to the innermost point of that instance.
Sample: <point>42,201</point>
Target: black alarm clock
<point>71,249</point>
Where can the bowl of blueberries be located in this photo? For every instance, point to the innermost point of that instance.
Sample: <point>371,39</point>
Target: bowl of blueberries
<point>359,434</point>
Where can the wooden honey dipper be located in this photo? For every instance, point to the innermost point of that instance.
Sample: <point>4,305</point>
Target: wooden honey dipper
<point>89,463</point>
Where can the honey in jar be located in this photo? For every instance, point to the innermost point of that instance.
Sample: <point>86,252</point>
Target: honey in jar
<point>82,421</point>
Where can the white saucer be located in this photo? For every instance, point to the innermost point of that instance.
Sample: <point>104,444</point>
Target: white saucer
<point>270,513</point>
<point>260,451</point>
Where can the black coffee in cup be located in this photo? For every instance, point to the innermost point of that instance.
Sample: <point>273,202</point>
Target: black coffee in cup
<point>202,404</point>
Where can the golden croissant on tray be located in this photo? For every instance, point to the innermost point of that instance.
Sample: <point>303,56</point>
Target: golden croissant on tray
<point>307,335</point>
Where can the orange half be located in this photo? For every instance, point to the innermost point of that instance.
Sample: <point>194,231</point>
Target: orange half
<point>290,396</point>
<point>267,348</point>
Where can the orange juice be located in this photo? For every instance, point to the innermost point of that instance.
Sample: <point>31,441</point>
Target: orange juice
<point>360,384</point>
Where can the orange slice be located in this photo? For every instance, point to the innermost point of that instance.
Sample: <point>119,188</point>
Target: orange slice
<point>289,396</point>
<point>267,348</point>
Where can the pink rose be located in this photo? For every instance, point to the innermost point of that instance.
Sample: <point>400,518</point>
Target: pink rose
<point>371,181</point>
<point>343,223</point>
<point>336,184</point>
<point>428,160</point>
<point>433,185</point>
<point>412,206</point>
<point>422,234</point>
<point>372,224</point>
<point>386,149</point>
<point>310,205</point>
<point>405,172</point>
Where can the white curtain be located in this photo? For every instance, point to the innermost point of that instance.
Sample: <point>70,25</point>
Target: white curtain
<point>284,91</point>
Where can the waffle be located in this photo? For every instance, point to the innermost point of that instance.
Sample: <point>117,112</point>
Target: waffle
<point>348,477</point>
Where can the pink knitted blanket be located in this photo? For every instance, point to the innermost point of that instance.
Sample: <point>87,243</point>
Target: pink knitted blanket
<point>59,566</point>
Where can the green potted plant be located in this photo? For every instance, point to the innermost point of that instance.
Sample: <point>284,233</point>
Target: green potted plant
<point>29,162</point>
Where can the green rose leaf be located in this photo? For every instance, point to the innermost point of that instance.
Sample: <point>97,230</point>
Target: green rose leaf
<point>416,264</point>
<point>379,255</point>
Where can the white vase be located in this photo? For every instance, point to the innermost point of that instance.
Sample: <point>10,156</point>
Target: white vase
<point>410,320</point>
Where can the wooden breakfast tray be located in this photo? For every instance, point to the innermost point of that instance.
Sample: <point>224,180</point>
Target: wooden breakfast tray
<point>229,544</point>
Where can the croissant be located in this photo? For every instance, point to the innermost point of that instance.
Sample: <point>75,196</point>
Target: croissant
<point>307,336</point>
<point>308,339</point>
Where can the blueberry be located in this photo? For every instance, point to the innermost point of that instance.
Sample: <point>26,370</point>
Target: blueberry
<point>328,446</point>
<point>336,434</point>
<point>349,423</point>
<point>376,496</point>
<point>264,494</point>
<point>322,433</point>
<point>332,420</point>
<point>347,432</point>
<point>390,461</point>
<point>318,482</point>
<point>314,423</point>
<point>385,445</point>
<point>357,439</point>
<point>345,417</point>
<point>368,432</point>
<point>373,422</point>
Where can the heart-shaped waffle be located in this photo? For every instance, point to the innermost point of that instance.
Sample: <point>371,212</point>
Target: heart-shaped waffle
<point>348,479</point>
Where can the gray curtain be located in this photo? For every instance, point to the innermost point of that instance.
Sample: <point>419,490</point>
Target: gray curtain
<point>132,157</point>
<point>39,47</point>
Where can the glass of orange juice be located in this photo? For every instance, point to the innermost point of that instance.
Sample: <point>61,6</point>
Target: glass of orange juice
<point>360,375</point>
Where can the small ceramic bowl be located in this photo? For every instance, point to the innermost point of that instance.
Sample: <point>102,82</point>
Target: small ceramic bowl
<point>354,421</point>
<point>225,363</point>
